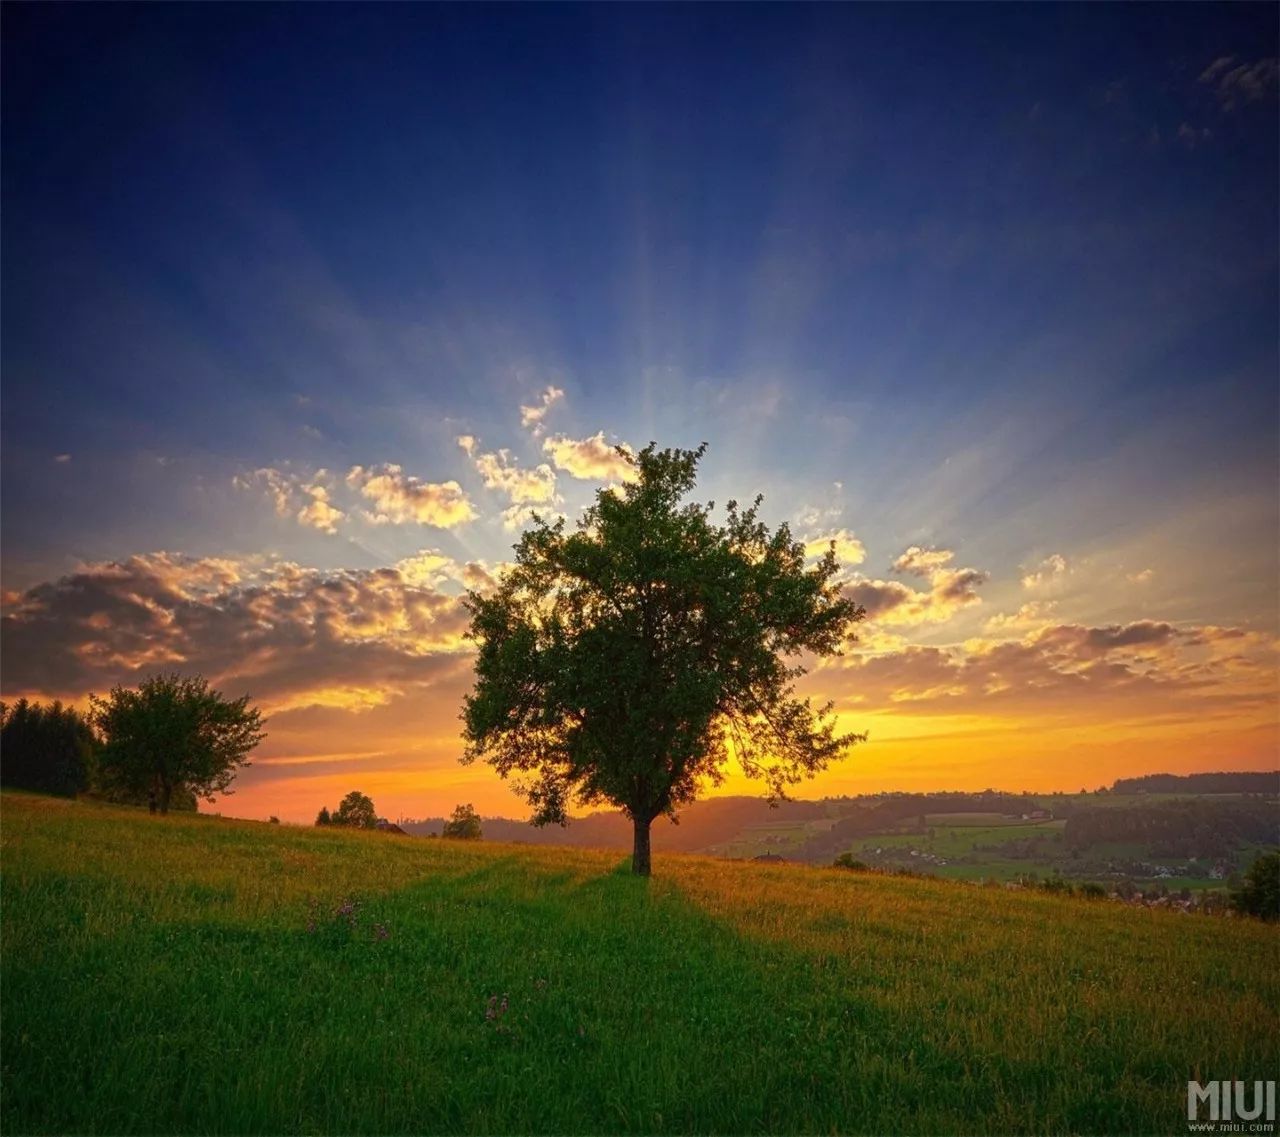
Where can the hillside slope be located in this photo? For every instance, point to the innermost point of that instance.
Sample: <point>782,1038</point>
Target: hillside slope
<point>192,974</point>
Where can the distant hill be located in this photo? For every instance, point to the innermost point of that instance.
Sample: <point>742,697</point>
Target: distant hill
<point>702,824</point>
<point>732,826</point>
<point>1243,782</point>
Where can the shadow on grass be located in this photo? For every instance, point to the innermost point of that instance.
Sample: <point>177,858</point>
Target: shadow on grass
<point>518,997</point>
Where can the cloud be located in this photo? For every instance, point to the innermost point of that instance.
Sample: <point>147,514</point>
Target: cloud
<point>1047,573</point>
<point>428,568</point>
<point>279,486</point>
<point>1191,136</point>
<point>923,562</point>
<point>1143,577</point>
<point>319,512</point>
<point>532,416</point>
<point>500,472</point>
<point>1033,614</point>
<point>849,550</point>
<point>516,516</point>
<point>62,458</point>
<point>289,636</point>
<point>1083,642</point>
<point>1236,84</point>
<point>1143,665</point>
<point>591,458</point>
<point>890,602</point>
<point>400,498</point>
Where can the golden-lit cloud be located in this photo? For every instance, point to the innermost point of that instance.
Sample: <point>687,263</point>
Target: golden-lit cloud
<point>307,500</point>
<point>1033,614</point>
<point>428,568</point>
<point>516,516</point>
<point>1047,573</point>
<point>532,416</point>
<point>1143,577</point>
<point>400,498</point>
<point>892,603</point>
<point>592,459</point>
<point>279,486</point>
<point>319,512</point>
<point>923,562</point>
<point>500,472</point>
<point>849,550</point>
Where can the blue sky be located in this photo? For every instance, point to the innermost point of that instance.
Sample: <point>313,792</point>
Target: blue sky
<point>1007,275</point>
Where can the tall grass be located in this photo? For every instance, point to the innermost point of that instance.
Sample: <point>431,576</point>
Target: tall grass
<point>190,974</point>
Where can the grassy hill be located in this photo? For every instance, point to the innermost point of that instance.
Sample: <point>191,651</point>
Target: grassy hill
<point>193,974</point>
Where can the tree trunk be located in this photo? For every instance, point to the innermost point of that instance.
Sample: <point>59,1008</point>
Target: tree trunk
<point>166,791</point>
<point>640,854</point>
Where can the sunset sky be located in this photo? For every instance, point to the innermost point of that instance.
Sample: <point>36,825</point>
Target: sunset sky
<point>306,307</point>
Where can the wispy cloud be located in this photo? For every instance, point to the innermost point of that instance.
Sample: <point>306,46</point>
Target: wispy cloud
<point>307,499</point>
<point>1235,84</point>
<point>532,416</point>
<point>1048,573</point>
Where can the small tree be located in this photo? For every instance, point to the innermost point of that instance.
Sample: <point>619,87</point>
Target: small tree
<point>46,748</point>
<point>1259,893</point>
<point>464,824</point>
<point>173,735</point>
<point>356,810</point>
<point>628,661</point>
<point>323,818</point>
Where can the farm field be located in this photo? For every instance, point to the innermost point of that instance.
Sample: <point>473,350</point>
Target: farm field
<point>193,974</point>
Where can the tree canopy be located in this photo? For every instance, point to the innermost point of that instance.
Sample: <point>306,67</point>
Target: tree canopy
<point>170,737</point>
<point>356,811</point>
<point>463,825</point>
<point>1259,893</point>
<point>627,661</point>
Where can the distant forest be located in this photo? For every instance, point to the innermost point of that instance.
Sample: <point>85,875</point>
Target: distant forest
<point>1266,782</point>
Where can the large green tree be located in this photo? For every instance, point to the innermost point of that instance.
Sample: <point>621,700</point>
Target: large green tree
<point>172,736</point>
<point>627,661</point>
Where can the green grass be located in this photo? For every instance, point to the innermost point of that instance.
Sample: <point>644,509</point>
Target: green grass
<point>159,977</point>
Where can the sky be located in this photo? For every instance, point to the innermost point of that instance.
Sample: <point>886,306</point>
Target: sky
<point>306,307</point>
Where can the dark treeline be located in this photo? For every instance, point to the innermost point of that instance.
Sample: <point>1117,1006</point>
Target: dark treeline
<point>47,748</point>
<point>1243,782</point>
<point>1190,827</point>
<point>896,812</point>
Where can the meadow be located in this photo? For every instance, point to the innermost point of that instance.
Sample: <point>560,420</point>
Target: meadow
<point>194,974</point>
